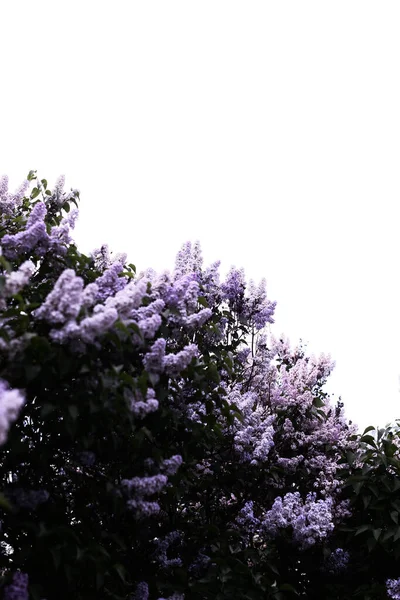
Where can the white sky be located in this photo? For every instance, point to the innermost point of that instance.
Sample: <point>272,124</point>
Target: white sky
<point>270,131</point>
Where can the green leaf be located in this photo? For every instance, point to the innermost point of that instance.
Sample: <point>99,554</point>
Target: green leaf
<point>361,529</point>
<point>35,192</point>
<point>73,411</point>
<point>377,532</point>
<point>370,428</point>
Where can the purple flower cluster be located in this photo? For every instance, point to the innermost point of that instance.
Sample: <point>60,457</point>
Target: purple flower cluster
<point>16,280</point>
<point>311,520</point>
<point>163,546</point>
<point>11,402</point>
<point>28,499</point>
<point>110,283</point>
<point>337,562</point>
<point>141,487</point>
<point>253,436</point>
<point>140,407</point>
<point>18,589</point>
<point>103,260</point>
<point>33,237</point>
<point>393,588</point>
<point>9,202</point>
<point>170,466</point>
<point>156,361</point>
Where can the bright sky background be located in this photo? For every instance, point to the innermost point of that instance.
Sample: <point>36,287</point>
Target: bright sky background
<point>270,131</point>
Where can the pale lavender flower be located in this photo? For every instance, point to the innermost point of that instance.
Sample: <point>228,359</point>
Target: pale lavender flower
<point>97,325</point>
<point>127,299</point>
<point>149,326</point>
<point>37,214</point>
<point>3,185</point>
<point>393,588</point>
<point>140,487</point>
<point>25,241</point>
<point>146,486</point>
<point>337,562</point>
<point>89,295</point>
<point>247,519</point>
<point>175,363</point>
<point>171,465</point>
<point>60,236</point>
<point>18,589</point>
<point>188,259</point>
<point>11,402</point>
<point>16,280</point>
<point>142,591</point>
<point>198,319</point>
<point>234,286</point>
<point>200,563</point>
<point>64,301</point>
<point>311,520</point>
<point>140,407</point>
<point>110,283</point>
<point>153,360</point>
<point>163,546</point>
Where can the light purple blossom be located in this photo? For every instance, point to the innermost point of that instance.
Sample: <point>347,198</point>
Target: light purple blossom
<point>149,326</point>
<point>163,546</point>
<point>9,202</point>
<point>311,520</point>
<point>154,360</point>
<point>188,259</point>
<point>175,363</point>
<point>139,488</point>
<point>171,465</point>
<point>25,241</point>
<point>142,591</point>
<point>110,283</point>
<point>198,319</point>
<point>140,407</point>
<point>337,562</point>
<point>393,588</point>
<point>16,280</point>
<point>64,301</point>
<point>18,589</point>
<point>11,402</point>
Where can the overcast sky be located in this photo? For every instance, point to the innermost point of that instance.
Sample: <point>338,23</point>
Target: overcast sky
<point>270,131</point>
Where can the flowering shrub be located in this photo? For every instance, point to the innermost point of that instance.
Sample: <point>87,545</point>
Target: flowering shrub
<point>155,442</point>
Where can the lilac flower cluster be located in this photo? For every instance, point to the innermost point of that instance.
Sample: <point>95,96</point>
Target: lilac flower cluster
<point>253,437</point>
<point>15,281</point>
<point>163,545</point>
<point>34,236</point>
<point>59,196</point>
<point>200,564</point>
<point>141,487</point>
<point>156,361</point>
<point>9,202</point>
<point>11,402</point>
<point>393,588</point>
<point>142,593</point>
<point>18,589</point>
<point>140,407</point>
<point>103,260</point>
<point>170,466</point>
<point>110,283</point>
<point>247,520</point>
<point>28,499</point>
<point>311,520</point>
<point>337,562</point>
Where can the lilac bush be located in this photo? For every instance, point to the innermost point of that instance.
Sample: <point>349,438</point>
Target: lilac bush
<point>157,441</point>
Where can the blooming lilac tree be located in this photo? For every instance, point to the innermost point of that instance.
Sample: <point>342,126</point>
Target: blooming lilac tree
<point>155,441</point>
